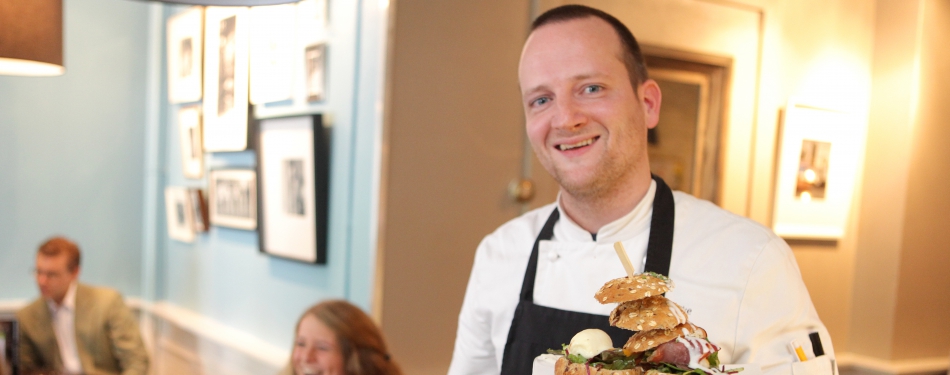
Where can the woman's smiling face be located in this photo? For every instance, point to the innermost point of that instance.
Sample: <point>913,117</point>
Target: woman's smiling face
<point>316,349</point>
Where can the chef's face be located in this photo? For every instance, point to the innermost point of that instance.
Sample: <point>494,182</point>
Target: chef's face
<point>53,276</point>
<point>585,120</point>
<point>316,350</point>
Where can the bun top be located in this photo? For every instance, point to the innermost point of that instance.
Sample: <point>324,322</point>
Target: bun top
<point>633,288</point>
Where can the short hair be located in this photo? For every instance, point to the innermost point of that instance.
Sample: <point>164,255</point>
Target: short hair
<point>631,55</point>
<point>361,342</point>
<point>57,246</point>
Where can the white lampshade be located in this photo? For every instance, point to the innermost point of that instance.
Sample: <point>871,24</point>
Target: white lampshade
<point>31,37</point>
<point>243,3</point>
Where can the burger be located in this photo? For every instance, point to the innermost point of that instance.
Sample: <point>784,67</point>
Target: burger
<point>665,341</point>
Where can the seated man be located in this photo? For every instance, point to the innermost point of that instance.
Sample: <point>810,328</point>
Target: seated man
<point>75,328</point>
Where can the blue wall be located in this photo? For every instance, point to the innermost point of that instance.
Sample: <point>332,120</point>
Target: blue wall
<point>71,156</point>
<point>88,155</point>
<point>223,275</point>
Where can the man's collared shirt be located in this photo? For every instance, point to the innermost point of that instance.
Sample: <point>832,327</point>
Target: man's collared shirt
<point>64,326</point>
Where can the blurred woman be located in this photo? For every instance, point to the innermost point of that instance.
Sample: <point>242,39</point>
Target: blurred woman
<point>337,338</point>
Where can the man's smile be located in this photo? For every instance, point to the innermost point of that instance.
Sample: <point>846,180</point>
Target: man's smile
<point>571,146</point>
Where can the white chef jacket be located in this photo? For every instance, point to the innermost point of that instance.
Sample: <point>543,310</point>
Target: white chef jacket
<point>736,278</point>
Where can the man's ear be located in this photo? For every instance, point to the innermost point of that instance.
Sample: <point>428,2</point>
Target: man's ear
<point>651,98</point>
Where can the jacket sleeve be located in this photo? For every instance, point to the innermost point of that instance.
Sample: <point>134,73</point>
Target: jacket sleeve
<point>126,339</point>
<point>776,309</point>
<point>30,359</point>
<point>474,351</point>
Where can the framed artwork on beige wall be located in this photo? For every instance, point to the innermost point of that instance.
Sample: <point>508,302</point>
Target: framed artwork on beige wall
<point>818,159</point>
<point>226,63</point>
<point>185,50</point>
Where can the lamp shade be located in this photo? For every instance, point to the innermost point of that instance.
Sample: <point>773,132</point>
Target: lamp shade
<point>243,3</point>
<point>31,37</point>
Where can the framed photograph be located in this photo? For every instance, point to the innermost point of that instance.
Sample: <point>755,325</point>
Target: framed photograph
<point>226,79</point>
<point>184,38</point>
<point>192,154</point>
<point>315,57</point>
<point>199,205</point>
<point>817,165</point>
<point>272,53</point>
<point>179,214</point>
<point>233,198</point>
<point>293,165</point>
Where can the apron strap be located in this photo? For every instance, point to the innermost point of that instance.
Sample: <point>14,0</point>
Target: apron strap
<point>660,246</point>
<point>547,232</point>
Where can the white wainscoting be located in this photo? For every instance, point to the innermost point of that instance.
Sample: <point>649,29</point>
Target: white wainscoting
<point>182,342</point>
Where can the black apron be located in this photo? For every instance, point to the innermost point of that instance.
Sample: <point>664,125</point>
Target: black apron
<point>535,329</point>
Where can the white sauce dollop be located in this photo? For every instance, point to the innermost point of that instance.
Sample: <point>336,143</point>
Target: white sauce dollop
<point>590,342</point>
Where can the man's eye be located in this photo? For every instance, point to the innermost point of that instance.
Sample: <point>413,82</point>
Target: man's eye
<point>540,101</point>
<point>592,89</point>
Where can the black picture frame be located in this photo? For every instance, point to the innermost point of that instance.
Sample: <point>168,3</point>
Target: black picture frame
<point>293,169</point>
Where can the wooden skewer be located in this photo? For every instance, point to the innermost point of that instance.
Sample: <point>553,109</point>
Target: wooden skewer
<point>622,254</point>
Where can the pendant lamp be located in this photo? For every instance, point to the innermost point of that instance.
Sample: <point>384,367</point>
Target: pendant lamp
<point>243,3</point>
<point>31,37</point>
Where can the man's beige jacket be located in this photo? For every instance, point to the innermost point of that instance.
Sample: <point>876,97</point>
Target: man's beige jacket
<point>107,335</point>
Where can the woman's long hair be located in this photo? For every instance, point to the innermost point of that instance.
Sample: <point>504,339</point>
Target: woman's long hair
<point>361,342</point>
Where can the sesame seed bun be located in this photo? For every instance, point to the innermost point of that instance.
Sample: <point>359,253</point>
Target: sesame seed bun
<point>633,288</point>
<point>646,340</point>
<point>649,313</point>
<point>566,367</point>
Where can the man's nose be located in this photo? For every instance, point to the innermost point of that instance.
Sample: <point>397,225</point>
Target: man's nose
<point>569,114</point>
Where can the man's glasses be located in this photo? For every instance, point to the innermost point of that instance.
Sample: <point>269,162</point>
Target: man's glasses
<point>49,274</point>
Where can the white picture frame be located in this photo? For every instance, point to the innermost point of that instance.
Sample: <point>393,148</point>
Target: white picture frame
<point>179,215</point>
<point>190,134</point>
<point>233,198</point>
<point>226,60</point>
<point>315,62</point>
<point>817,164</point>
<point>184,38</point>
<point>272,39</point>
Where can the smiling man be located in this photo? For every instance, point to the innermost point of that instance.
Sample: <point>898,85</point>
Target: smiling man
<point>75,328</point>
<point>588,104</point>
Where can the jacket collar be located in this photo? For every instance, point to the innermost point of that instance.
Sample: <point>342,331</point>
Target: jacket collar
<point>627,226</point>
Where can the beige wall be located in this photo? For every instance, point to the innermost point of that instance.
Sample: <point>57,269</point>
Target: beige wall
<point>818,53</point>
<point>923,293</point>
<point>882,207</point>
<point>454,71</point>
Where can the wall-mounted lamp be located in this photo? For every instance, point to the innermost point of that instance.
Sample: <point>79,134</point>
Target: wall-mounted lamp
<point>31,37</point>
<point>243,3</point>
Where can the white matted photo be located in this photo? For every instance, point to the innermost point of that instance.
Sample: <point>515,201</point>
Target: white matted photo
<point>272,39</point>
<point>179,214</point>
<point>315,57</point>
<point>192,155</point>
<point>233,198</point>
<point>293,170</point>
<point>817,165</point>
<point>226,79</point>
<point>312,20</point>
<point>185,50</point>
